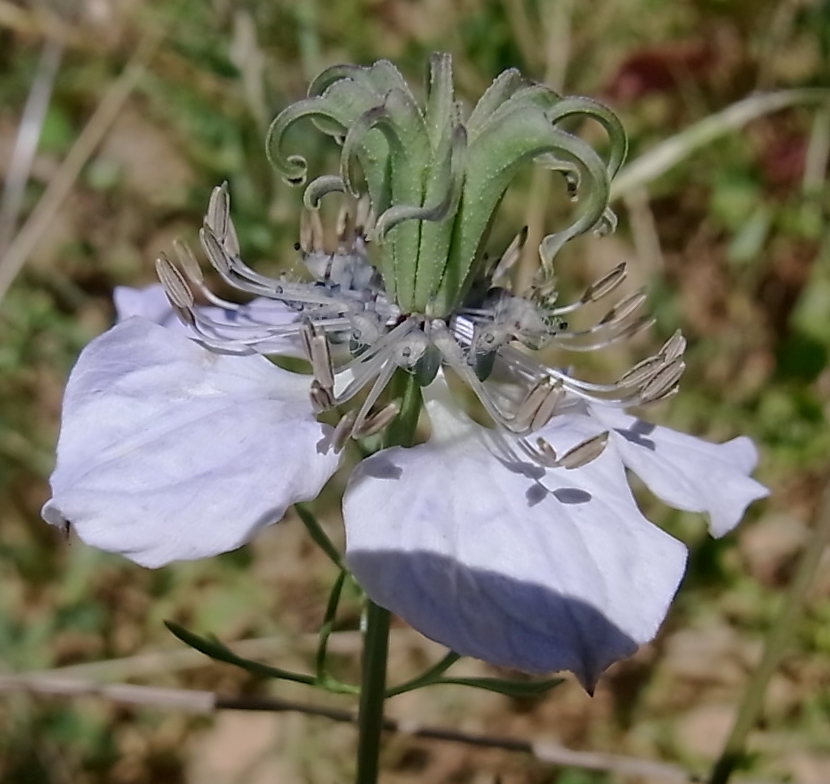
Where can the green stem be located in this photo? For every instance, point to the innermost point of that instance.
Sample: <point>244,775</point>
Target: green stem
<point>776,645</point>
<point>376,637</point>
<point>372,692</point>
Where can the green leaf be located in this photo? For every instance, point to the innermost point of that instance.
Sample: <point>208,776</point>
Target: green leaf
<point>427,678</point>
<point>328,625</point>
<point>320,537</point>
<point>216,650</point>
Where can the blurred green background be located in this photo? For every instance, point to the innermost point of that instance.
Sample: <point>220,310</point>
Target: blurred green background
<point>732,242</point>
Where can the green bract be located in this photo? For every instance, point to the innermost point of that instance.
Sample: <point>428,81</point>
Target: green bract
<point>435,178</point>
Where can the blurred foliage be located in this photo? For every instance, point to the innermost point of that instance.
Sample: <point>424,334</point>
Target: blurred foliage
<point>742,265</point>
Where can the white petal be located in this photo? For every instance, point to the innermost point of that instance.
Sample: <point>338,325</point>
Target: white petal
<point>687,472</point>
<point>150,302</point>
<point>476,554</point>
<point>248,321</point>
<point>168,451</point>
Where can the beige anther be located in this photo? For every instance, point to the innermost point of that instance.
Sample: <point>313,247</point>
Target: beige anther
<point>623,310</point>
<point>318,353</point>
<point>674,347</point>
<point>214,250</point>
<point>345,225</point>
<point>376,422</point>
<point>174,283</point>
<point>535,398</point>
<point>641,372</point>
<point>321,399</point>
<point>606,284</point>
<point>231,241</point>
<point>188,262</point>
<point>548,406</point>
<point>663,381</point>
<point>584,453</point>
<point>343,431</point>
<point>311,232</point>
<point>364,218</point>
<point>177,290</point>
<point>218,211</point>
<point>546,454</point>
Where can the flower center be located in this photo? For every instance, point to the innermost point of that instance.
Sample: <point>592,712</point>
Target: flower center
<point>355,339</point>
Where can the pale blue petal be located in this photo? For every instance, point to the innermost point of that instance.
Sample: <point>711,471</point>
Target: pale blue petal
<point>687,472</point>
<point>149,302</point>
<point>168,451</point>
<point>560,574</point>
<point>247,321</point>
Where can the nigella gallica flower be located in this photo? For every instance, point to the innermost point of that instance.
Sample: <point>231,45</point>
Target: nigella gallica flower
<point>512,536</point>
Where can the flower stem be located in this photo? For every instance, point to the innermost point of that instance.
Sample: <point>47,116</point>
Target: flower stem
<point>376,637</point>
<point>372,692</point>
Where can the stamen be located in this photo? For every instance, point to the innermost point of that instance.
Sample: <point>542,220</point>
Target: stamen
<point>674,347</point>
<point>606,284</point>
<point>642,371</point>
<point>321,399</point>
<point>369,364</point>
<point>596,291</point>
<point>177,290</point>
<point>188,262</point>
<point>546,410</point>
<point>218,211</point>
<point>584,453</point>
<point>343,431</point>
<point>663,381</point>
<point>378,421</point>
<point>622,310</point>
<point>317,350</point>
<point>602,335</point>
<point>311,232</point>
<point>383,378</point>
<point>444,341</point>
<point>223,264</point>
<point>546,454</point>
<point>537,395</point>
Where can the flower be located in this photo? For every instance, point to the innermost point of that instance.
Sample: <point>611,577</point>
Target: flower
<point>518,542</point>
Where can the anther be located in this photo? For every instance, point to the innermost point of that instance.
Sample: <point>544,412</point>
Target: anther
<point>642,371</point>
<point>627,307</point>
<point>213,249</point>
<point>674,347</point>
<point>546,454</point>
<point>584,453</point>
<point>321,399</point>
<point>218,211</point>
<point>345,225</point>
<point>663,381</point>
<point>527,411</point>
<point>311,232</point>
<point>317,351</point>
<point>177,290</point>
<point>606,284</point>
<point>343,431</point>
<point>188,262</point>
<point>544,413</point>
<point>364,219</point>
<point>377,422</point>
<point>174,283</point>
